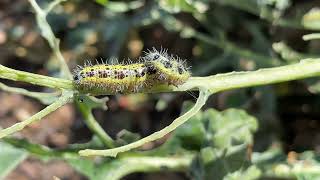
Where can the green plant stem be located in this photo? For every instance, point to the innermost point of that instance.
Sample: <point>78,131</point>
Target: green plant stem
<point>147,164</point>
<point>157,135</point>
<point>64,99</point>
<point>94,126</point>
<point>48,34</point>
<point>288,54</point>
<point>312,36</point>
<point>121,167</point>
<point>40,150</point>
<point>304,69</point>
<point>221,82</point>
<point>43,97</point>
<point>16,75</point>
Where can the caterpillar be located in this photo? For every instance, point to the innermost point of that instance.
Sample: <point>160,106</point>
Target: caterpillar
<point>156,68</point>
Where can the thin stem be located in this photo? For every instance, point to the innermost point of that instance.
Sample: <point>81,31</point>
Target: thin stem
<point>48,34</point>
<point>304,69</point>
<point>123,165</point>
<point>312,36</point>
<point>129,165</point>
<point>64,99</point>
<point>288,54</point>
<point>221,82</point>
<point>16,75</point>
<point>45,98</point>
<point>157,135</point>
<point>94,126</point>
<point>36,7</point>
<point>40,150</point>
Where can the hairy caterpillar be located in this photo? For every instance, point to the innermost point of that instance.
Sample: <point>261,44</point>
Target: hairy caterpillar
<point>157,68</point>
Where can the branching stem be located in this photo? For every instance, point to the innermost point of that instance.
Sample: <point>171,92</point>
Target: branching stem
<point>48,34</point>
<point>94,126</point>
<point>304,69</point>
<point>157,135</point>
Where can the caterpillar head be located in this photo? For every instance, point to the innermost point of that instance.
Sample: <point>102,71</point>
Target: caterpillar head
<point>166,67</point>
<point>78,75</point>
<point>154,56</point>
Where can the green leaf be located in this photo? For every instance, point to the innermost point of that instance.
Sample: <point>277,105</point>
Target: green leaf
<point>312,19</point>
<point>230,127</point>
<point>116,168</point>
<point>93,102</point>
<point>126,137</point>
<point>102,2</point>
<point>192,133</point>
<point>10,157</point>
<point>95,142</point>
<point>218,163</point>
<point>84,166</point>
<point>225,137</point>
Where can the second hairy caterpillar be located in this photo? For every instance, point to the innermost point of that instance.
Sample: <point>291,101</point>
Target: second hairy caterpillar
<point>157,68</point>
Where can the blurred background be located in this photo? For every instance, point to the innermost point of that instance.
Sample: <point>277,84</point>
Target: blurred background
<point>214,36</point>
